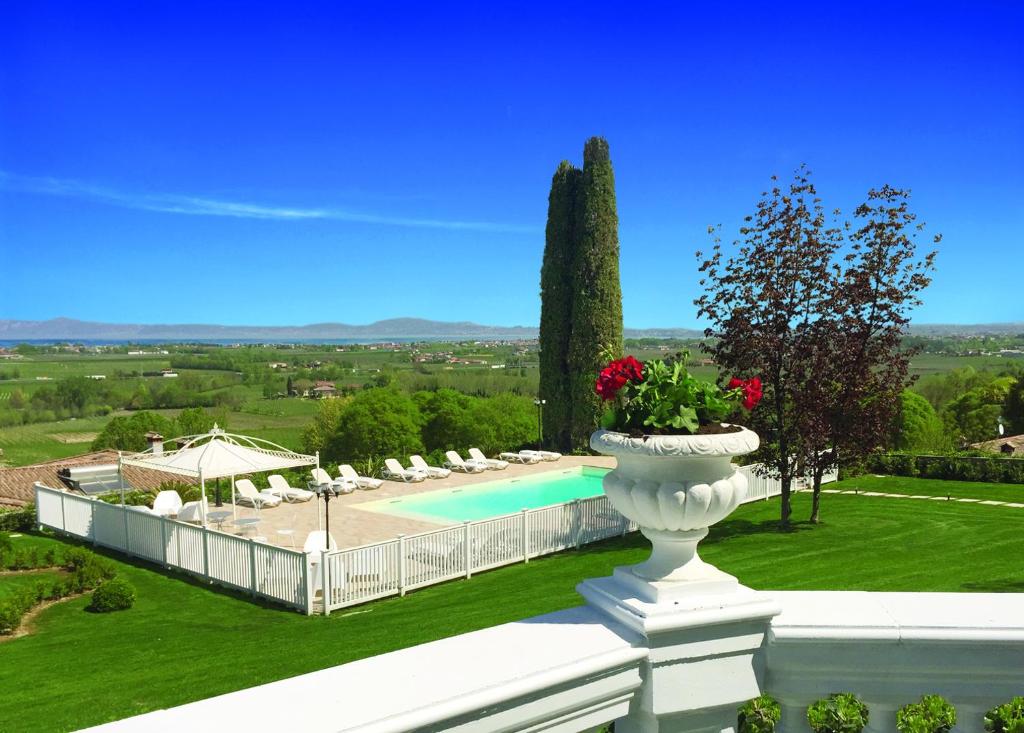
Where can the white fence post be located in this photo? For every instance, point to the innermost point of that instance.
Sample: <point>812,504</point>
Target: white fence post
<point>252,566</point>
<point>577,518</point>
<point>325,582</point>
<point>401,564</point>
<point>526,535</point>
<point>206,553</point>
<point>63,519</point>
<point>469,553</point>
<point>124,516</point>
<point>307,590</point>
<point>163,539</point>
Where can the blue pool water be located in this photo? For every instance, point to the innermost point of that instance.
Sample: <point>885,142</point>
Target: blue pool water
<point>494,498</point>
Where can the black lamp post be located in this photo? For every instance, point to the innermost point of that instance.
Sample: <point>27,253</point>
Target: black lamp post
<point>540,431</point>
<point>327,491</point>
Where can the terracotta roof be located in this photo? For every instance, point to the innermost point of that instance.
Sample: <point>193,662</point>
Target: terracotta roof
<point>1015,443</point>
<point>16,484</point>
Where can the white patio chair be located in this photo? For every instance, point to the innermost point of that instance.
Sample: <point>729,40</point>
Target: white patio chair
<point>394,471</point>
<point>191,512</point>
<point>280,488</point>
<point>366,483</point>
<point>248,495</point>
<point>420,464</point>
<point>320,476</point>
<point>456,463</point>
<point>544,455</point>
<point>493,463</point>
<point>519,457</point>
<point>167,503</point>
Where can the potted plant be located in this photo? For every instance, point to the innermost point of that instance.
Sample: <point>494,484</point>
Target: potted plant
<point>932,714</point>
<point>674,439</point>
<point>840,712</point>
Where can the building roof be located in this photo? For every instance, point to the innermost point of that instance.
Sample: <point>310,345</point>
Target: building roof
<point>16,484</point>
<point>1013,444</point>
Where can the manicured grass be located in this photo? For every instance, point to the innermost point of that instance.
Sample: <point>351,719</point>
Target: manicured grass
<point>184,641</point>
<point>933,487</point>
<point>11,583</point>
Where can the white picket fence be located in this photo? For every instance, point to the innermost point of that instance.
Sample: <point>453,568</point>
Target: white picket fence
<point>381,569</point>
<point>355,575</point>
<point>265,571</point>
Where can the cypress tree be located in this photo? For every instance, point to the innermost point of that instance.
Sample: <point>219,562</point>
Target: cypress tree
<point>556,305</point>
<point>596,291</point>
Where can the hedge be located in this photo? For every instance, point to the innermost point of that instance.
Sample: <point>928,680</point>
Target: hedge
<point>950,468</point>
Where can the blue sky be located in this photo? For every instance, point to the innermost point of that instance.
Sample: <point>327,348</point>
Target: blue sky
<point>301,163</point>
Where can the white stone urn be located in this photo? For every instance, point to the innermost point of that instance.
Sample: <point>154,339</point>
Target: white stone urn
<point>675,487</point>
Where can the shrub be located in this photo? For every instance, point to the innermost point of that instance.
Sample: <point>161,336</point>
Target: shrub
<point>131,498</point>
<point>113,595</point>
<point>87,569</point>
<point>10,616</point>
<point>1007,718</point>
<point>840,712</point>
<point>991,469</point>
<point>18,520</point>
<point>759,715</point>
<point>932,714</point>
<point>6,549</point>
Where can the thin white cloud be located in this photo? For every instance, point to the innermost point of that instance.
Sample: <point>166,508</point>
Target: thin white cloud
<point>201,206</point>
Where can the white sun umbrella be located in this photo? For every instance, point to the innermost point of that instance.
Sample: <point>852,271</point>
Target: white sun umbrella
<point>218,454</point>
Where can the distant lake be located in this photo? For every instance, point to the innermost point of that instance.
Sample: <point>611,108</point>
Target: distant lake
<point>10,343</point>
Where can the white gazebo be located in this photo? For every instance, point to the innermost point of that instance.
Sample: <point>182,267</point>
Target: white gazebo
<point>217,454</point>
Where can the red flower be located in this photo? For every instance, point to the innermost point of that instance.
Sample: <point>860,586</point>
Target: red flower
<point>616,375</point>
<point>752,390</point>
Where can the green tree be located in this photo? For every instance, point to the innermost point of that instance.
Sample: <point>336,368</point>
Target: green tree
<point>918,427</point>
<point>196,421</point>
<point>377,422</point>
<point>510,422</point>
<point>129,433</point>
<point>324,425</point>
<point>596,291</point>
<point>1013,408</point>
<point>448,420</point>
<point>556,303</point>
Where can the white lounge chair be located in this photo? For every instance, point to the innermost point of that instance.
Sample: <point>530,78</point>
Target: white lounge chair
<point>419,464</point>
<point>394,471</point>
<point>167,503</point>
<point>493,463</point>
<point>247,494</point>
<point>456,463</point>
<point>366,483</point>
<point>544,455</point>
<point>139,508</point>
<point>280,488</point>
<point>320,476</point>
<point>519,457</point>
<point>191,512</point>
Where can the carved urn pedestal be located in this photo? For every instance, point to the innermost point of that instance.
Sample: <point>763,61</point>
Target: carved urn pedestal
<point>701,625</point>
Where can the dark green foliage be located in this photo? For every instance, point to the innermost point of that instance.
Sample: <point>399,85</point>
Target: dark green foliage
<point>556,304</point>
<point>759,715</point>
<point>1013,408</point>
<point>6,549</point>
<point>918,427</point>
<point>129,433</point>
<point>932,714</point>
<point>1007,718</point>
<point>951,468</point>
<point>18,520</point>
<point>381,421</point>
<point>131,498</point>
<point>113,595</point>
<point>596,291</point>
<point>840,712</point>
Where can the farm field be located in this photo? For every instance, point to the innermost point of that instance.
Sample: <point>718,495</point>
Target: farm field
<point>184,641</point>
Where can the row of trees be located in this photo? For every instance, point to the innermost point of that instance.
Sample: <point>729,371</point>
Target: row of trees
<point>129,433</point>
<point>386,422</point>
<point>818,309</point>
<point>581,298</point>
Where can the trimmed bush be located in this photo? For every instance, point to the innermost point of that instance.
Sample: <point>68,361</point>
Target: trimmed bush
<point>759,715</point>
<point>932,714</point>
<point>113,595</point>
<point>989,469</point>
<point>840,712</point>
<point>18,520</point>
<point>1007,718</point>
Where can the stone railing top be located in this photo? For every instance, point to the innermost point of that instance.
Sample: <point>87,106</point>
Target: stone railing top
<point>721,444</point>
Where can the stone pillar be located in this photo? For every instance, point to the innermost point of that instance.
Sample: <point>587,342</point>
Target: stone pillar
<point>706,648</point>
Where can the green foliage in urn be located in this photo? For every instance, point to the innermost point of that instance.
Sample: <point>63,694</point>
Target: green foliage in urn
<point>662,397</point>
<point>556,303</point>
<point>1007,718</point>
<point>840,712</point>
<point>759,715</point>
<point>597,293</point>
<point>931,714</point>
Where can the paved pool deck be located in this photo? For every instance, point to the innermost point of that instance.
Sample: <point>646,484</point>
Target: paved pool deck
<point>352,527</point>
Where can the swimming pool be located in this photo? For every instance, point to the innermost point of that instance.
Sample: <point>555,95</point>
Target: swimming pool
<point>494,498</point>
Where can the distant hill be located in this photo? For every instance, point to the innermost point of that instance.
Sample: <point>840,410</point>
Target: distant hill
<point>69,329</point>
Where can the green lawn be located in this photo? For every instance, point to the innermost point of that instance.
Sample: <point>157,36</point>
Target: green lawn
<point>11,583</point>
<point>933,487</point>
<point>184,641</point>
